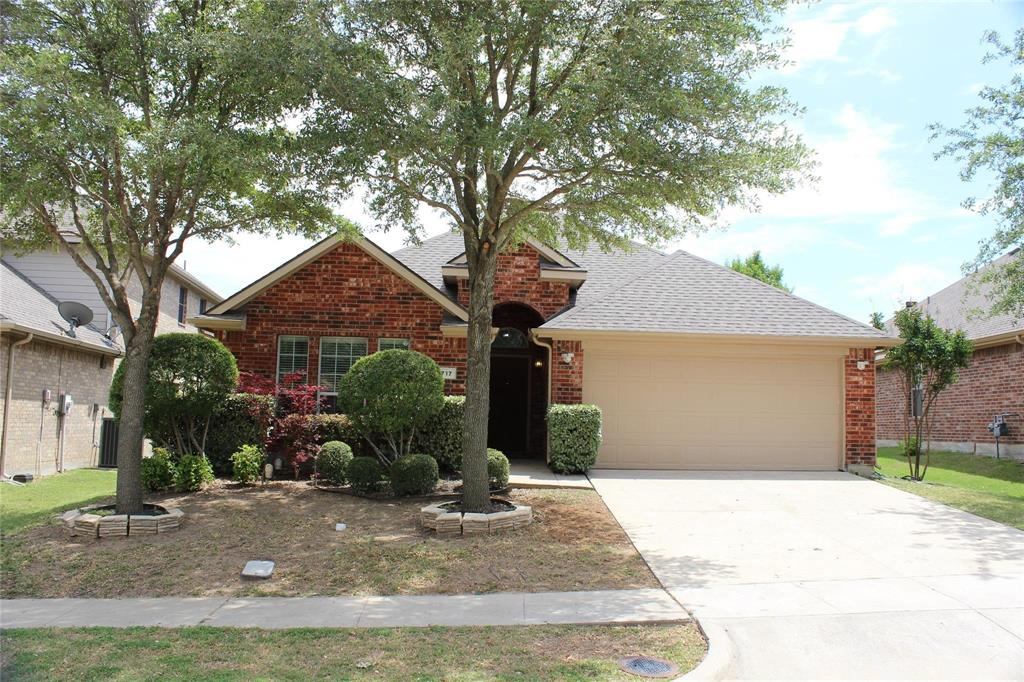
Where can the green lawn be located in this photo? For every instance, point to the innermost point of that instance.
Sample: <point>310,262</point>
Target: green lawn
<point>986,486</point>
<point>22,506</point>
<point>534,652</point>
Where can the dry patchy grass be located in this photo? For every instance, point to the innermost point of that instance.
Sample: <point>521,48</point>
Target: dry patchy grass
<point>573,544</point>
<point>540,652</point>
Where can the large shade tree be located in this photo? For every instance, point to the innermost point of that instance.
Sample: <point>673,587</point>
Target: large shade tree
<point>575,120</point>
<point>129,128</point>
<point>990,145</point>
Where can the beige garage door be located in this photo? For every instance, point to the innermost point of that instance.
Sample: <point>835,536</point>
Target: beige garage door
<point>669,408</point>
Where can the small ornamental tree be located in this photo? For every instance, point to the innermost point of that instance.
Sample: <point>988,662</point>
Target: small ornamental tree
<point>389,396</point>
<point>927,363</point>
<point>189,376</point>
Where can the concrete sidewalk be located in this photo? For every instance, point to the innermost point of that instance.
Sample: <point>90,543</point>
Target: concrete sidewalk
<point>505,608</point>
<point>531,473</point>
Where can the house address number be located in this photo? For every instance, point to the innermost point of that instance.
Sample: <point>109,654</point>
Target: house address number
<point>449,373</point>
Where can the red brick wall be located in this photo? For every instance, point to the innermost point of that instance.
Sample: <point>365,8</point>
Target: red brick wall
<point>567,379</point>
<point>860,407</point>
<point>344,293</point>
<point>992,383</point>
<point>518,281</point>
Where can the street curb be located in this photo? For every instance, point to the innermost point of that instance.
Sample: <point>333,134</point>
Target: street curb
<point>719,659</point>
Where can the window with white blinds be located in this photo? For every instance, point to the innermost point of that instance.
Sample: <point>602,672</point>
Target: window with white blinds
<point>292,355</point>
<point>337,355</point>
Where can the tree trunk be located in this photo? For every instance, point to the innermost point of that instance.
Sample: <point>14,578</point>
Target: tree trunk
<point>475,488</point>
<point>133,407</point>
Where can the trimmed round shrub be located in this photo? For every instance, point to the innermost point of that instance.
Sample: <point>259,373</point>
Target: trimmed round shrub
<point>338,427</point>
<point>247,464</point>
<point>365,474</point>
<point>159,471</point>
<point>332,462</point>
<point>390,395</point>
<point>413,475</point>
<point>497,469</point>
<point>194,473</point>
<point>442,437</point>
<point>242,419</point>
<point>574,432</point>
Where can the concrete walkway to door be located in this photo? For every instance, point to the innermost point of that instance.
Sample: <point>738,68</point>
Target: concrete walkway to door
<point>830,576</point>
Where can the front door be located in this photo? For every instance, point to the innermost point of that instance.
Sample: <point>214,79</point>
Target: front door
<point>508,427</point>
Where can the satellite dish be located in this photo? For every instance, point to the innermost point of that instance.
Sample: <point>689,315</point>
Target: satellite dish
<point>75,314</point>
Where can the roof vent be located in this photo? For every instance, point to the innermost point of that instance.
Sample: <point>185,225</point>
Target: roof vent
<point>911,304</point>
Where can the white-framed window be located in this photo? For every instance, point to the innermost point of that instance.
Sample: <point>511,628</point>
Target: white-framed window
<point>392,344</point>
<point>337,355</point>
<point>182,304</point>
<point>292,355</point>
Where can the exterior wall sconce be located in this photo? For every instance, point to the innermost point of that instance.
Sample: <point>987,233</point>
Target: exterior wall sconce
<point>538,363</point>
<point>862,364</point>
<point>567,358</point>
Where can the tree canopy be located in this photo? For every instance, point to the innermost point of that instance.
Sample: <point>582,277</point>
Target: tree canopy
<point>991,142</point>
<point>754,266</point>
<point>575,120</point>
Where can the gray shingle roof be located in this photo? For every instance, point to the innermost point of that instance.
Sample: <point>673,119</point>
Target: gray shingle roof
<point>26,305</point>
<point>961,306</point>
<point>646,290</point>
<point>689,295</point>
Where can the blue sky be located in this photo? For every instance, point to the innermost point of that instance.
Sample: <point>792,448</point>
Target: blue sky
<point>883,224</point>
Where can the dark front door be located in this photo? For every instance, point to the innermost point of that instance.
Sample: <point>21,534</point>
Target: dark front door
<point>508,428</point>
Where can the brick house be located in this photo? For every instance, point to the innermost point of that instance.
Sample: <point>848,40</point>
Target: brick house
<point>693,365</point>
<point>992,383</point>
<point>40,361</point>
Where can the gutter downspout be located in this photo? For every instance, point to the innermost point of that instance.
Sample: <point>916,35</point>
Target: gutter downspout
<point>8,394</point>
<point>551,359</point>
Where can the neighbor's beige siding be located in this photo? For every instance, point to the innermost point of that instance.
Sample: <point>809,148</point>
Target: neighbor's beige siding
<point>715,406</point>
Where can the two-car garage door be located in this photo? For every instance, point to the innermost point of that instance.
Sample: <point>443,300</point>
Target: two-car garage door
<point>703,407</point>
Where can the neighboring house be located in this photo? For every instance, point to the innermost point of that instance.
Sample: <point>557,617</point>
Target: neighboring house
<point>991,384</point>
<point>182,295</point>
<point>694,365</point>
<point>40,363</point>
<point>38,439</point>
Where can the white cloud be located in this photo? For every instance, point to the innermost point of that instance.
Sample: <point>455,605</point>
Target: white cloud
<point>906,282</point>
<point>901,224</point>
<point>773,241</point>
<point>821,37</point>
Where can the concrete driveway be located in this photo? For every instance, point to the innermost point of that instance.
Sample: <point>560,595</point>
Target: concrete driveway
<point>830,576</point>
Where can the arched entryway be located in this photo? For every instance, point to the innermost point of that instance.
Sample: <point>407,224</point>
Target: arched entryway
<point>518,383</point>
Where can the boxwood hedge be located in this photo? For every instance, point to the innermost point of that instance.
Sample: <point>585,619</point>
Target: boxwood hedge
<point>574,432</point>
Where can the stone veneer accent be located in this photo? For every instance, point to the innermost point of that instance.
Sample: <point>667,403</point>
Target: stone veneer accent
<point>992,383</point>
<point>860,410</point>
<point>448,524</point>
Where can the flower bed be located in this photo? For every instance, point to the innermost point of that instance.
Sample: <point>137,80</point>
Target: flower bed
<point>99,521</point>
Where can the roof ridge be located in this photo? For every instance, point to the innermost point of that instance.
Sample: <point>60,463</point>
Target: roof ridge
<point>569,313</point>
<point>977,272</point>
<point>783,292</point>
<point>420,243</point>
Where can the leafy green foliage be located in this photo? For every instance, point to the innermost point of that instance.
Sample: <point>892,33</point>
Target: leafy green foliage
<point>332,462</point>
<point>247,464</point>
<point>566,121</point>
<point>991,143</point>
<point>574,433</point>
<point>193,473</point>
<point>754,266</point>
<point>928,361</point>
<point>497,469</point>
<point>159,471</point>
<point>441,438</point>
<point>365,475</point>
<point>328,427</point>
<point>241,419</point>
<point>878,321</point>
<point>190,376</point>
<point>413,475</point>
<point>389,396</point>
<point>133,128</point>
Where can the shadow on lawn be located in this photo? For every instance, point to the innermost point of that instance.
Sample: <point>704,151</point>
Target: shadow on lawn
<point>1004,469</point>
